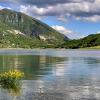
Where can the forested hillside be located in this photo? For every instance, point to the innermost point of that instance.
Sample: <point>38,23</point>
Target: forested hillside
<point>89,41</point>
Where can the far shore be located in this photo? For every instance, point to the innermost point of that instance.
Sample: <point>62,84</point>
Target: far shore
<point>95,47</point>
<point>87,48</point>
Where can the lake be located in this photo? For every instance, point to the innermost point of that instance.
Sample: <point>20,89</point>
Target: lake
<point>54,74</point>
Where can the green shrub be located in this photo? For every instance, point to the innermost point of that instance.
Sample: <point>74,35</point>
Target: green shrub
<point>11,80</point>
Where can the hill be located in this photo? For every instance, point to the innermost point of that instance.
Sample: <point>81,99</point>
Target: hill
<point>20,30</point>
<point>88,41</point>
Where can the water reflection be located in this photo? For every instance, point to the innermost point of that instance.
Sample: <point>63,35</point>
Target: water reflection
<point>32,66</point>
<point>74,73</point>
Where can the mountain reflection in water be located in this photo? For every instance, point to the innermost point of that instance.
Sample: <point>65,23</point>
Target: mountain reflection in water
<point>72,74</point>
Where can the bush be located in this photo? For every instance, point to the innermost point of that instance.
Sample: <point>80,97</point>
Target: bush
<point>11,80</point>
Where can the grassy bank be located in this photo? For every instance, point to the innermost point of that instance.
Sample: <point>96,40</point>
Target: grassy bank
<point>95,47</point>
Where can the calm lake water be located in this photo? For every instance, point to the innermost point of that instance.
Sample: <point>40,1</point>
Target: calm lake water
<point>60,74</point>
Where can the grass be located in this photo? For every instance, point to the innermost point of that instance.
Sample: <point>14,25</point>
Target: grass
<point>95,47</point>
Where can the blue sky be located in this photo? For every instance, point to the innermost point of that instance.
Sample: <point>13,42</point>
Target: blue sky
<point>74,18</point>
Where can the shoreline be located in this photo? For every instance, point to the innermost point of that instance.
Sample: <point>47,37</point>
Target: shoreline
<point>87,48</point>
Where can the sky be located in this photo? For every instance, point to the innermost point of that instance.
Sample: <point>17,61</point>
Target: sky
<point>73,18</point>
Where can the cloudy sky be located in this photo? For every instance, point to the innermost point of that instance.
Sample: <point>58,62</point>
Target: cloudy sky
<point>74,18</point>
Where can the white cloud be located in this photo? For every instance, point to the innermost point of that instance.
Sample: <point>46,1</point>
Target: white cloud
<point>62,29</point>
<point>60,9</point>
<point>32,10</point>
<point>1,7</point>
<point>69,33</point>
<point>23,9</point>
<point>88,10</point>
<point>82,10</point>
<point>28,10</point>
<point>62,18</point>
<point>94,18</point>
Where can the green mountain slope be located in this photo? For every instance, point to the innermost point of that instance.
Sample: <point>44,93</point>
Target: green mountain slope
<point>22,31</point>
<point>29,26</point>
<point>11,38</point>
<point>89,41</point>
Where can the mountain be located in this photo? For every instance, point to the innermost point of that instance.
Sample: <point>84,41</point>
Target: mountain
<point>16,24</point>
<point>18,30</point>
<point>88,41</point>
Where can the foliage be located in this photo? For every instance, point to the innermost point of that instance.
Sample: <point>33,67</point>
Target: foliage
<point>11,80</point>
<point>89,41</point>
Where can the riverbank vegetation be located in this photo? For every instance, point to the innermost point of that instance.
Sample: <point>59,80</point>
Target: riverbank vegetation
<point>10,80</point>
<point>19,41</point>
